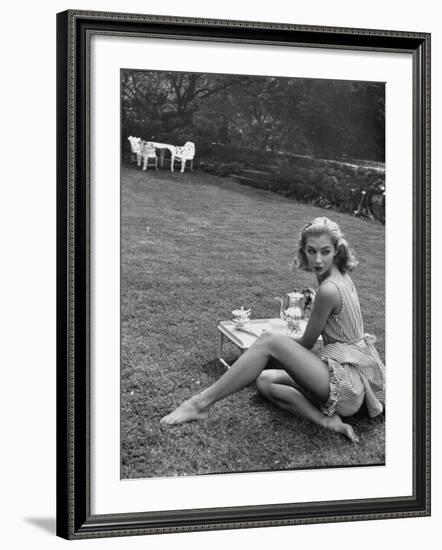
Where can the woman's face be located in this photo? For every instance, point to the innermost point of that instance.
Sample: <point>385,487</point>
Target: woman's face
<point>320,253</point>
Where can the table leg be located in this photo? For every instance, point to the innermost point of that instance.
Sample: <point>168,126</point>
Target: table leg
<point>220,352</point>
<point>221,343</point>
<point>224,363</point>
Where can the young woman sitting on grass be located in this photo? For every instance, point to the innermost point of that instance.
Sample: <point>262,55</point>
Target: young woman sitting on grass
<point>321,384</point>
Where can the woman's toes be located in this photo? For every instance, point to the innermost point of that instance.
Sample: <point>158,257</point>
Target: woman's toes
<point>335,424</point>
<point>350,433</point>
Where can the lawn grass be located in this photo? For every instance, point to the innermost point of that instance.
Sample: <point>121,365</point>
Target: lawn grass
<point>193,247</point>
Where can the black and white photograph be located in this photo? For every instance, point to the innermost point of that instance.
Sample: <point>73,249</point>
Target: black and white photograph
<point>222,257</point>
<point>252,295</point>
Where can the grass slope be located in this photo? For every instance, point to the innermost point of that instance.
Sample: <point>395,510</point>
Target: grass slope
<point>194,247</point>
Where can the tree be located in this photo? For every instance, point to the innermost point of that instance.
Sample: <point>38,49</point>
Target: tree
<point>325,118</point>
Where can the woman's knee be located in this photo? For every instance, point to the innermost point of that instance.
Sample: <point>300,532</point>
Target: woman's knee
<point>270,340</point>
<point>264,383</point>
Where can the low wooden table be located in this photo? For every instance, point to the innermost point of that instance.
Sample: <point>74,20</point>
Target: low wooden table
<point>242,339</point>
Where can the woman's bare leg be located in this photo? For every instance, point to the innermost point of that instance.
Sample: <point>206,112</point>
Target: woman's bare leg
<point>277,386</point>
<point>303,366</point>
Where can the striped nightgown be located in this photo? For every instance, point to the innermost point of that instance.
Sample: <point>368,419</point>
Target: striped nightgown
<point>355,368</point>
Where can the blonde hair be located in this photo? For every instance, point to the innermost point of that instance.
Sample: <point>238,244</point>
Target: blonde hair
<point>345,259</point>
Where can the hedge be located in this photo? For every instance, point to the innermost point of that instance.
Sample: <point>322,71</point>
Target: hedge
<point>345,186</point>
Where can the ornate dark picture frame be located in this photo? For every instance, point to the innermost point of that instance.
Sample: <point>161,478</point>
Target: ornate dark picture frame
<point>74,517</point>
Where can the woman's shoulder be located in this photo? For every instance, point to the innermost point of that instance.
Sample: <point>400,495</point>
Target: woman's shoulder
<point>339,278</point>
<point>335,279</point>
<point>329,292</point>
<point>348,282</point>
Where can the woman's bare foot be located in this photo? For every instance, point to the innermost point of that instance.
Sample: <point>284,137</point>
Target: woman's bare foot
<point>335,424</point>
<point>187,411</point>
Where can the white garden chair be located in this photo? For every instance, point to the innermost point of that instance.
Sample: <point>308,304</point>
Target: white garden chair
<point>148,154</point>
<point>135,147</point>
<point>187,152</point>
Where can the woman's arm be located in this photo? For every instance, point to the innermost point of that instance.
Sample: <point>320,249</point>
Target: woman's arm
<point>327,300</point>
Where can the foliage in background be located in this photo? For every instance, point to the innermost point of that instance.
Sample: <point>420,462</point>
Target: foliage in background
<point>354,187</point>
<point>324,118</point>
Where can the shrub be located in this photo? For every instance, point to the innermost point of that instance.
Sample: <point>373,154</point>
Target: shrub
<point>306,179</point>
